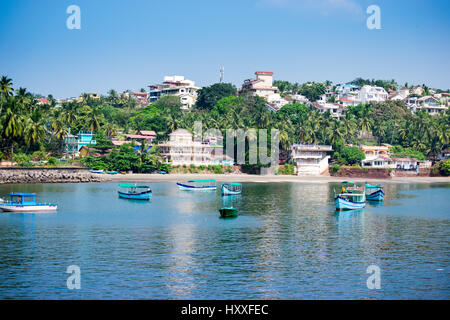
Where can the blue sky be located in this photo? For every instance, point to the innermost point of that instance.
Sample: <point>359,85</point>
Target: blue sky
<point>131,44</point>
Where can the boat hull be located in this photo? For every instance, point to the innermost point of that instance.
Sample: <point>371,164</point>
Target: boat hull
<point>186,187</point>
<point>28,208</point>
<point>228,192</point>
<point>135,196</point>
<point>228,212</point>
<point>375,196</point>
<point>345,204</point>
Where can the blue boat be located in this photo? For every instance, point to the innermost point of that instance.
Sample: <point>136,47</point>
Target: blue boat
<point>198,185</point>
<point>135,192</point>
<point>376,195</point>
<point>352,197</point>
<point>232,188</point>
<point>26,202</point>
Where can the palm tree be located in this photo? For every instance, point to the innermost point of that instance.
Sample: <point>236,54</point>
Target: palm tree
<point>94,118</point>
<point>6,86</point>
<point>6,90</point>
<point>12,119</point>
<point>34,128</point>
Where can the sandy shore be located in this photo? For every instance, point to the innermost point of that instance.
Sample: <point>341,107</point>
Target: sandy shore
<point>266,178</point>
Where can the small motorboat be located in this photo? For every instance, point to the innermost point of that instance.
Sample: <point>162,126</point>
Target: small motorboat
<point>135,192</point>
<point>351,197</point>
<point>377,193</point>
<point>232,188</point>
<point>228,212</point>
<point>198,185</point>
<point>96,171</point>
<point>26,202</point>
<point>112,172</point>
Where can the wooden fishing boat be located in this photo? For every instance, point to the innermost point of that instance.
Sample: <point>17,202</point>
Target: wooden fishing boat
<point>135,192</point>
<point>26,202</point>
<point>376,192</point>
<point>351,197</point>
<point>112,172</point>
<point>232,188</point>
<point>198,185</point>
<point>228,212</point>
<point>96,171</point>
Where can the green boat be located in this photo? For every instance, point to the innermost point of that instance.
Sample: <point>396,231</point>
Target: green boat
<point>228,212</point>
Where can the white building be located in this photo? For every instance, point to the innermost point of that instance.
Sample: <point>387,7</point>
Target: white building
<point>299,98</point>
<point>310,159</point>
<point>430,105</point>
<point>261,86</point>
<point>349,100</point>
<point>376,156</point>
<point>175,86</point>
<point>276,102</point>
<point>369,93</point>
<point>181,149</point>
<point>336,110</point>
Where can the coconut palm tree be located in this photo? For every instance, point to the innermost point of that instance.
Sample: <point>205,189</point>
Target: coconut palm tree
<point>6,90</point>
<point>12,119</point>
<point>94,118</point>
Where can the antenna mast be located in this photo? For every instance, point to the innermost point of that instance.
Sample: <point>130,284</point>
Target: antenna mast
<point>221,74</point>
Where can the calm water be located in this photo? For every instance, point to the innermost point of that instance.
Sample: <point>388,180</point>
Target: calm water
<point>287,243</point>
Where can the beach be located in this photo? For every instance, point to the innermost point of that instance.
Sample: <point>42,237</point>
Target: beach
<point>267,178</point>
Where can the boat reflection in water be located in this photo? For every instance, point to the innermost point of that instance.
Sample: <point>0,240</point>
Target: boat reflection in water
<point>228,209</point>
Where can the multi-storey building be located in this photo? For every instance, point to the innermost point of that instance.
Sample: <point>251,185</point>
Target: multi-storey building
<point>310,159</point>
<point>261,86</point>
<point>74,143</point>
<point>369,93</point>
<point>182,149</point>
<point>175,86</point>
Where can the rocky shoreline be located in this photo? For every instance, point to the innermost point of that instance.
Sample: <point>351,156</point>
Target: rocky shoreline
<point>48,175</point>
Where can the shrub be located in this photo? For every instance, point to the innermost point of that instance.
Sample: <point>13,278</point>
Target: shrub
<point>39,155</point>
<point>351,155</point>
<point>334,168</point>
<point>22,159</point>
<point>228,169</point>
<point>287,169</point>
<point>52,161</point>
<point>444,167</point>
<point>217,169</point>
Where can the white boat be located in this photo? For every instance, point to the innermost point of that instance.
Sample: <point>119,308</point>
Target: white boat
<point>232,188</point>
<point>351,197</point>
<point>198,185</point>
<point>26,202</point>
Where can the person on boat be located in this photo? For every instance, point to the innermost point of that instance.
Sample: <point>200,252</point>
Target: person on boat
<point>343,189</point>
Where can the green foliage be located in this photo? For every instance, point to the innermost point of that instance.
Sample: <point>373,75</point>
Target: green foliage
<point>351,155</point>
<point>334,168</point>
<point>312,90</point>
<point>52,161</point>
<point>22,159</point>
<point>444,167</point>
<point>31,127</point>
<point>386,84</point>
<point>217,169</point>
<point>209,96</point>
<point>39,155</point>
<point>400,152</point>
<point>287,169</point>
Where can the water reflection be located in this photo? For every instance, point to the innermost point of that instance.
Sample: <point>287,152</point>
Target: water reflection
<point>288,243</point>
